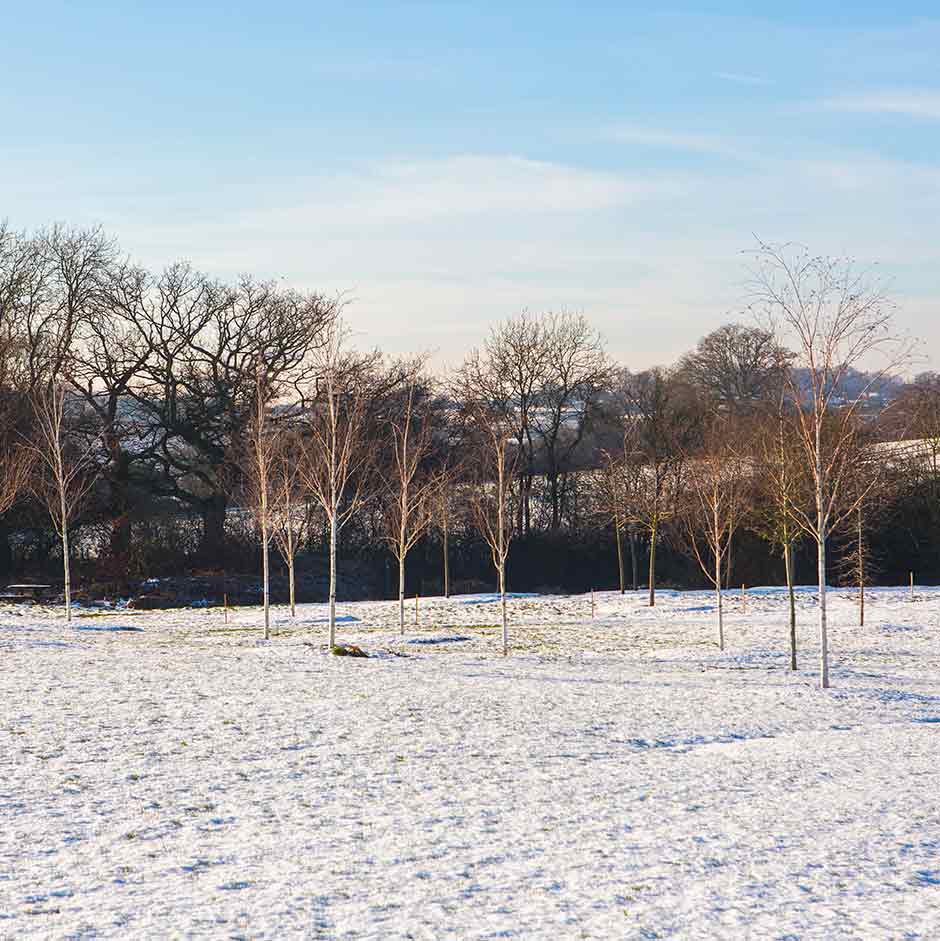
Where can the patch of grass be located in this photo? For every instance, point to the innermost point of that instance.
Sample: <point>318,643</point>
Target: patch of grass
<point>347,650</point>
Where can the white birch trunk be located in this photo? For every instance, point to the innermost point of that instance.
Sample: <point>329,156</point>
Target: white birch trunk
<point>292,586</point>
<point>822,523</point>
<point>446,559</point>
<point>788,566</point>
<point>66,567</point>
<point>502,593</point>
<point>652,571</point>
<point>266,579</point>
<point>401,591</point>
<point>718,602</point>
<point>333,580</point>
<point>617,534</point>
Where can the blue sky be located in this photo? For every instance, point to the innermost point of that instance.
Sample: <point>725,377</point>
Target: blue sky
<point>448,164</point>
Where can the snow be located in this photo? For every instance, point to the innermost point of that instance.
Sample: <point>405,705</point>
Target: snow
<point>165,774</point>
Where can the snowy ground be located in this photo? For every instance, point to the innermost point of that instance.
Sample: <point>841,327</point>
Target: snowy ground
<point>163,775</point>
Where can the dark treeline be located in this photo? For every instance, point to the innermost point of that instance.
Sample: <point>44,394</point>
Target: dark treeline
<point>161,424</point>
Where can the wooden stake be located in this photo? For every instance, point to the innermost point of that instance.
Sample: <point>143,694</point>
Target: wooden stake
<point>225,606</point>
<point>744,598</point>
<point>912,586</point>
<point>416,610</point>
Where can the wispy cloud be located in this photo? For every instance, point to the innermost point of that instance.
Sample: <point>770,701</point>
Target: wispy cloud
<point>419,191</point>
<point>913,103</point>
<point>742,78</point>
<point>711,144</point>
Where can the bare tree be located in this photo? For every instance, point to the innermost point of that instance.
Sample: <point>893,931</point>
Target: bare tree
<point>509,373</point>
<point>290,513</point>
<point>618,486</point>
<point>782,487</point>
<point>262,448</point>
<point>660,429</point>
<point>442,516</point>
<point>338,453</point>
<point>736,366</point>
<point>411,485</point>
<point>497,461</point>
<point>197,386</point>
<point>575,372</point>
<point>65,472</point>
<point>834,316</point>
<point>714,501</point>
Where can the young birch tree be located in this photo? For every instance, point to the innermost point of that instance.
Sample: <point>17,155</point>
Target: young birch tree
<point>714,503</point>
<point>65,473</point>
<point>496,464</point>
<point>290,513</point>
<point>443,516</point>
<point>411,487</point>
<point>836,318</point>
<point>259,466</point>
<point>337,455</point>
<point>782,488</point>
<point>663,423</point>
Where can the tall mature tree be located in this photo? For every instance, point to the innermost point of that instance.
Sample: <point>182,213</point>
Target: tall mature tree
<point>834,316</point>
<point>737,366</point>
<point>109,356</point>
<point>508,373</point>
<point>576,373</point>
<point>205,338</point>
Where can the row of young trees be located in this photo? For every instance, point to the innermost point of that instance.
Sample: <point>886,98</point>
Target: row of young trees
<point>123,389</point>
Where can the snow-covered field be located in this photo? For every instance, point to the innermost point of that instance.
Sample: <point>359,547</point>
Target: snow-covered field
<point>163,775</point>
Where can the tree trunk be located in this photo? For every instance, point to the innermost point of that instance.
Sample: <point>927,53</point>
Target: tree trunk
<point>619,555</point>
<point>66,565</point>
<point>718,608</point>
<point>652,570</point>
<point>502,594</point>
<point>823,623</point>
<point>212,546</point>
<point>861,572</point>
<point>718,604</point>
<point>634,561</point>
<point>788,566</point>
<point>266,579</point>
<point>822,523</point>
<point>446,559</point>
<point>292,585</point>
<point>527,505</point>
<point>333,580</point>
<point>554,497</point>
<point>119,509</point>
<point>401,591</point>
